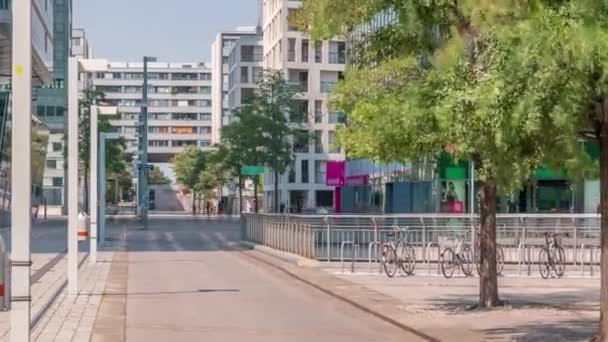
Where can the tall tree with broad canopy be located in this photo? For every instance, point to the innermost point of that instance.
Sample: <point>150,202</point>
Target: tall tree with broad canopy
<point>188,165</point>
<point>443,76</point>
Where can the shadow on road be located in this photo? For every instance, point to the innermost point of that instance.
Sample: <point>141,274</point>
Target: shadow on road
<point>568,330</point>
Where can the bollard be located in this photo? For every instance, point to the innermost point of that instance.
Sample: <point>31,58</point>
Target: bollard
<point>83,227</point>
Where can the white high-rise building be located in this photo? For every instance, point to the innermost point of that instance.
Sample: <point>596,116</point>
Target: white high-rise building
<point>179,112</point>
<point>315,69</point>
<point>220,51</point>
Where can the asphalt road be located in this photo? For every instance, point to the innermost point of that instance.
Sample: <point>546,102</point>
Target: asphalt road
<point>186,284</point>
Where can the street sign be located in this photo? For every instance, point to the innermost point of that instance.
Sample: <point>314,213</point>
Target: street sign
<point>146,167</point>
<point>252,170</point>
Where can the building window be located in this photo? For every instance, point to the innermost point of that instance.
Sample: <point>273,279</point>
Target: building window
<point>324,198</point>
<point>51,164</point>
<point>244,75</point>
<point>157,129</point>
<point>319,142</point>
<point>318,111</point>
<point>258,73</point>
<point>305,50</point>
<point>184,116</point>
<point>291,176</point>
<point>291,50</point>
<point>182,143</point>
<point>57,146</point>
<point>332,141</point>
<point>183,130</point>
<point>318,52</point>
<point>246,95</point>
<point>204,103</point>
<point>57,181</point>
<point>204,90</point>
<point>301,143</point>
<point>205,117</point>
<point>320,171</point>
<point>304,169</point>
<point>205,143</point>
<point>204,130</point>
<point>158,143</point>
<point>205,77</point>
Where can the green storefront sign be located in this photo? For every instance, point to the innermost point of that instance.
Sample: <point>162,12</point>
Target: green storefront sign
<point>252,170</point>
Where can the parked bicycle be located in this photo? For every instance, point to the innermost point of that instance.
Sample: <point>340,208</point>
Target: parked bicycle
<point>398,253</point>
<point>552,256</point>
<point>461,256</point>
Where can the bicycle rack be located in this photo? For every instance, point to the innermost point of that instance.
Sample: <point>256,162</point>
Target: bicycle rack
<point>525,253</point>
<point>427,258</point>
<point>592,250</point>
<point>369,255</point>
<point>355,249</point>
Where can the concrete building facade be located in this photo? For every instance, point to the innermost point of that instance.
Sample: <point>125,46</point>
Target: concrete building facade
<point>179,106</point>
<point>220,52</point>
<point>314,68</point>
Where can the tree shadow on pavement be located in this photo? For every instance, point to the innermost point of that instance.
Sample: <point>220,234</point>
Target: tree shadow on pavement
<point>566,330</point>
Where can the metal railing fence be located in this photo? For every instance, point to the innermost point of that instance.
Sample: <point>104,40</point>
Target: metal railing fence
<point>520,235</point>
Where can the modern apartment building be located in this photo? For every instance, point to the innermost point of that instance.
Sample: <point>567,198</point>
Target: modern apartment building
<point>179,112</point>
<point>51,104</point>
<point>220,51</point>
<point>314,68</point>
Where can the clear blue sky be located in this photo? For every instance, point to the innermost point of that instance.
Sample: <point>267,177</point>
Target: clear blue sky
<point>172,30</point>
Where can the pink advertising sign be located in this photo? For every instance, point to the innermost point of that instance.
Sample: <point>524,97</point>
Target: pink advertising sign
<point>335,173</point>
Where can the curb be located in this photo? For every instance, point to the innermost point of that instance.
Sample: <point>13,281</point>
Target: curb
<point>288,257</point>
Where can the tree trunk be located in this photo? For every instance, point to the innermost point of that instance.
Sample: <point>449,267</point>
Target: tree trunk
<point>604,231</point>
<point>193,203</point>
<point>488,280</point>
<point>276,193</point>
<point>240,195</point>
<point>255,192</point>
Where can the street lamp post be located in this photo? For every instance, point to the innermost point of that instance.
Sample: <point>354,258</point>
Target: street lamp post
<point>143,192</point>
<point>21,168</point>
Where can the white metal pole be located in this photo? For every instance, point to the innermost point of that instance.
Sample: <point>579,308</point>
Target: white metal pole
<point>472,188</point>
<point>102,187</point>
<point>72,176</point>
<point>94,184</point>
<point>21,168</point>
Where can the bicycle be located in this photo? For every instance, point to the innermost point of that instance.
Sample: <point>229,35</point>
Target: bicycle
<point>500,259</point>
<point>459,256</point>
<point>398,253</point>
<point>552,256</point>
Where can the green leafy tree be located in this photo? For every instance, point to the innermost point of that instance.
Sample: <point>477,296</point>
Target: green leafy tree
<point>188,165</point>
<point>115,149</point>
<point>449,80</point>
<point>156,176</point>
<point>564,43</point>
<point>265,130</point>
<point>281,124</point>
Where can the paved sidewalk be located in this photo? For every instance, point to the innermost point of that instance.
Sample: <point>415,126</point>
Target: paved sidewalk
<point>564,309</point>
<point>56,311</point>
<point>71,318</point>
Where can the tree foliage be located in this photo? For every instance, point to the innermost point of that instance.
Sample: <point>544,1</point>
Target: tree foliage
<point>188,165</point>
<point>455,81</point>
<point>157,177</point>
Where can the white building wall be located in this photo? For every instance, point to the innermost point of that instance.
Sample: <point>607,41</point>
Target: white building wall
<point>321,77</point>
<point>179,112</point>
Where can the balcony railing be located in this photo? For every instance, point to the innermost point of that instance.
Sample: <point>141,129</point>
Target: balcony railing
<point>335,117</point>
<point>337,58</point>
<point>327,87</point>
<point>299,86</point>
<point>252,57</point>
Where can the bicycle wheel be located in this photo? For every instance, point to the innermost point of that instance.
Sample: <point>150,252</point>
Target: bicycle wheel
<point>389,260</point>
<point>407,260</point>
<point>448,262</point>
<point>500,260</point>
<point>466,261</point>
<point>544,263</point>
<point>559,261</point>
